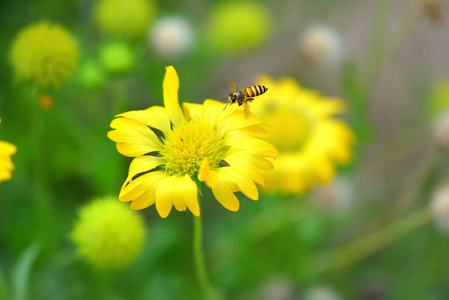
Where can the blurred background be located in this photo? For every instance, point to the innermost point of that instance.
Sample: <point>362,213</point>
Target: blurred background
<point>378,229</point>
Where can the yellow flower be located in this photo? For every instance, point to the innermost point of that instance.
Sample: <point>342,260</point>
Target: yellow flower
<point>45,54</point>
<point>128,19</point>
<point>6,165</point>
<point>173,148</point>
<point>303,127</point>
<point>108,234</point>
<point>238,26</point>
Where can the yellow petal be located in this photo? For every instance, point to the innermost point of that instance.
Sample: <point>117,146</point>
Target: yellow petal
<point>243,183</point>
<point>206,174</point>
<point>171,87</point>
<point>241,154</point>
<point>262,147</point>
<point>237,121</point>
<point>155,116</point>
<point>245,140</point>
<point>7,148</point>
<point>224,194</point>
<point>5,175</point>
<point>133,138</point>
<point>193,111</point>
<point>132,190</point>
<point>257,131</point>
<point>179,190</point>
<point>246,168</point>
<point>214,111</point>
<point>149,184</point>
<point>327,108</point>
<point>190,194</point>
<point>143,164</point>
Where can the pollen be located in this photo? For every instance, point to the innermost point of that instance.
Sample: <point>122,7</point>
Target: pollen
<point>188,144</point>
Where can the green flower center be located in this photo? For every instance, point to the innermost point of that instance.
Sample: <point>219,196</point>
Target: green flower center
<point>188,144</point>
<point>289,130</point>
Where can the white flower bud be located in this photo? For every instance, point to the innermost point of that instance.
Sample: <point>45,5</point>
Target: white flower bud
<point>440,207</point>
<point>171,36</point>
<point>321,45</point>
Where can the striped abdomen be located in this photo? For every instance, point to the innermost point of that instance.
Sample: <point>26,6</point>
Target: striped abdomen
<point>255,90</point>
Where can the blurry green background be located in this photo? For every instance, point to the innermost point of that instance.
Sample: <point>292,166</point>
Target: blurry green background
<point>394,54</point>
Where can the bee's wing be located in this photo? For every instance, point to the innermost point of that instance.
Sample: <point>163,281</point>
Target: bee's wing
<point>231,84</point>
<point>246,109</point>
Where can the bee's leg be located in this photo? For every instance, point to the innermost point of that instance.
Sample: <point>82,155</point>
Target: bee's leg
<point>249,99</point>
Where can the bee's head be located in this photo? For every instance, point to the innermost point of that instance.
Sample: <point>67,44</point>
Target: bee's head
<point>231,98</point>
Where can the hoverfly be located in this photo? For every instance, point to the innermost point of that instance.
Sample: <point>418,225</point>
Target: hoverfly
<point>242,97</point>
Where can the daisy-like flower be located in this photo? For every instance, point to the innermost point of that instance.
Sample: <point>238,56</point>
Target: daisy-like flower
<point>303,127</point>
<point>174,148</point>
<point>6,165</point>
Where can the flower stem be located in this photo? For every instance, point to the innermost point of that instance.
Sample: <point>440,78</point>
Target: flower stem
<point>200,263</point>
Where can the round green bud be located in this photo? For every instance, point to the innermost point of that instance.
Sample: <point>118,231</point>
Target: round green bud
<point>108,234</point>
<point>44,54</point>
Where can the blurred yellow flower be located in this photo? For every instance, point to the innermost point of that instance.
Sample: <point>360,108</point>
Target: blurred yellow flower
<point>201,142</point>
<point>6,165</point>
<point>45,54</point>
<point>236,26</point>
<point>303,127</point>
<point>127,19</point>
<point>108,234</point>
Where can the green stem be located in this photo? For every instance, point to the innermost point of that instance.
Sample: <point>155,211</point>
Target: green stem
<point>383,47</point>
<point>200,262</point>
<point>377,47</point>
<point>359,249</point>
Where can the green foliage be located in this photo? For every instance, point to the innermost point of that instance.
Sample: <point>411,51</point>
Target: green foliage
<point>65,160</point>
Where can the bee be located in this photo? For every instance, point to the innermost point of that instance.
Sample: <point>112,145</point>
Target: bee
<point>242,97</point>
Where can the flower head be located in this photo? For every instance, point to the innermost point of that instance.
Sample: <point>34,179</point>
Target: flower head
<point>171,36</point>
<point>45,54</point>
<point>200,142</point>
<point>108,234</point>
<point>303,127</point>
<point>125,19</point>
<point>6,165</point>
<point>237,26</point>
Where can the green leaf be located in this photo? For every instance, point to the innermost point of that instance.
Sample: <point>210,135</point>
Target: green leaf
<point>21,272</point>
<point>3,286</point>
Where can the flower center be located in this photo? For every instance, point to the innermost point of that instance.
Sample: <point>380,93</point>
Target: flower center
<point>289,129</point>
<point>188,144</point>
